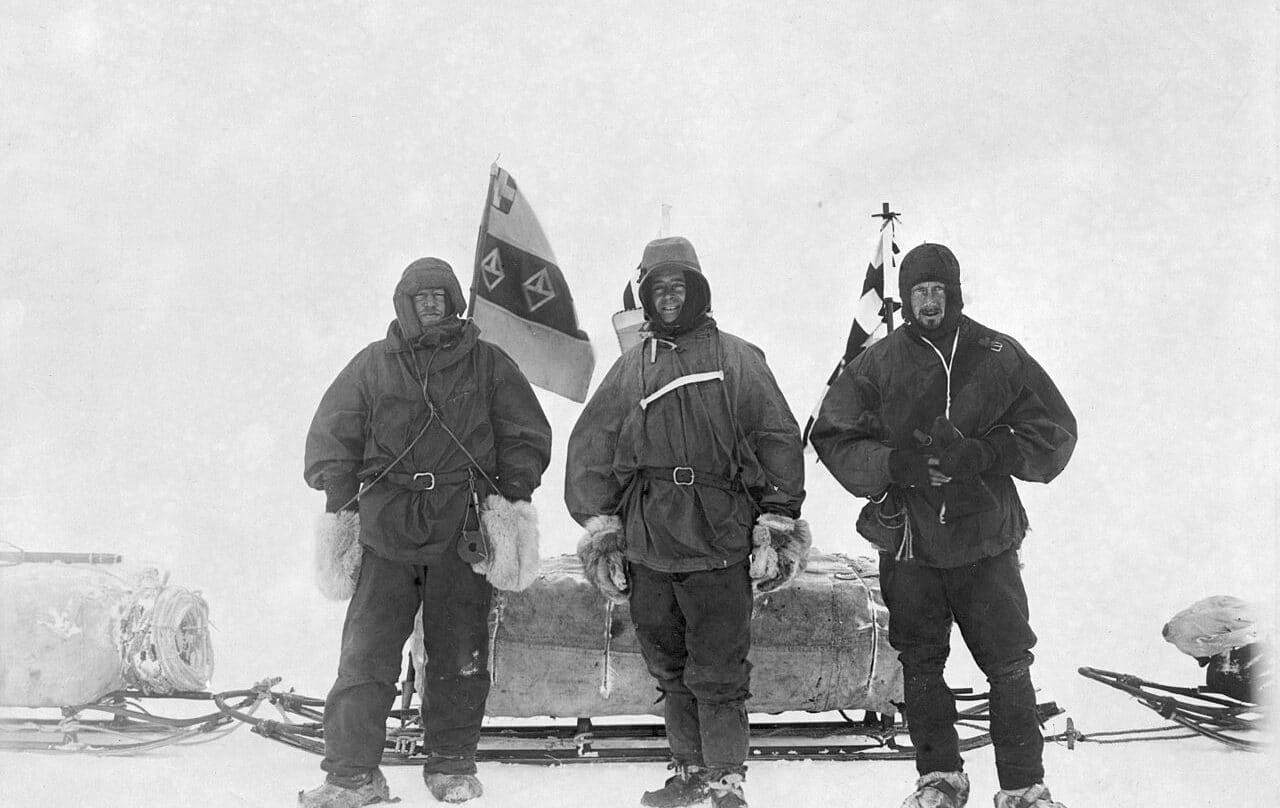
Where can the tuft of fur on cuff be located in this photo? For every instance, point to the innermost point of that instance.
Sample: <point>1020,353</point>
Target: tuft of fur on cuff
<point>602,552</point>
<point>338,554</point>
<point>790,539</point>
<point>512,530</point>
<point>764,559</point>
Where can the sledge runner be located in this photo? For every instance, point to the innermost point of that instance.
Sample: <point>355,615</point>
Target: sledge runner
<point>686,470</point>
<point>425,439</point>
<point>931,424</point>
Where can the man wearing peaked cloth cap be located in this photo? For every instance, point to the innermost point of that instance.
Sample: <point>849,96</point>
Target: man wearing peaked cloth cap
<point>686,470</point>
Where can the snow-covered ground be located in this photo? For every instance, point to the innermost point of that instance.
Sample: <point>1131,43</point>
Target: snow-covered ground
<point>250,771</point>
<point>204,208</point>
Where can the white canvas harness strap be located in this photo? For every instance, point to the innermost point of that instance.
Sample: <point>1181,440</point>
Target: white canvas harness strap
<point>676,384</point>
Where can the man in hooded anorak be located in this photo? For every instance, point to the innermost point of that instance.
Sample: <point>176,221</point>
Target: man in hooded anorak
<point>686,469</point>
<point>931,424</point>
<point>428,446</point>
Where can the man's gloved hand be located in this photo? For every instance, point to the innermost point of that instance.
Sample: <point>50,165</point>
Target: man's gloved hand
<point>780,551</point>
<point>602,553</point>
<point>339,494</point>
<point>967,457</point>
<point>909,467</point>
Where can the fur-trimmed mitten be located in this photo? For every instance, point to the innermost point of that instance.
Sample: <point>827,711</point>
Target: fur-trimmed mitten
<point>781,551</point>
<point>601,551</point>
<point>338,554</point>
<point>512,530</point>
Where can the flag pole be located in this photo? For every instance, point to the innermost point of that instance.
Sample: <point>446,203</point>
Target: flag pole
<point>889,261</point>
<point>484,227</point>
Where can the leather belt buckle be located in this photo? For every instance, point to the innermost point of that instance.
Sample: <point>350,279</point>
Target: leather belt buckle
<point>678,479</point>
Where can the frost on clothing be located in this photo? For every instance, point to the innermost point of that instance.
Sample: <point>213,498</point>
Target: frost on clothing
<point>738,429</point>
<point>376,407</point>
<point>997,391</point>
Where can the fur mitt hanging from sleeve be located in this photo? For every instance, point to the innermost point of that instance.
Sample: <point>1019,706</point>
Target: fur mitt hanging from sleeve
<point>512,531</point>
<point>780,551</point>
<point>601,551</point>
<point>338,554</point>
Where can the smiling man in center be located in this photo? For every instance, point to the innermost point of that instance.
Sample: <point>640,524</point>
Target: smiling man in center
<point>686,470</point>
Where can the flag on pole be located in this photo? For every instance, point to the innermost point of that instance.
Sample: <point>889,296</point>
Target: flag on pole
<point>519,297</point>
<point>873,313</point>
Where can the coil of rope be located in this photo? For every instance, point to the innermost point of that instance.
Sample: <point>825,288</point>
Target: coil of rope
<point>165,639</point>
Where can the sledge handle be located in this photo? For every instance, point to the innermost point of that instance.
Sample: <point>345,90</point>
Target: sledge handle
<point>24,556</point>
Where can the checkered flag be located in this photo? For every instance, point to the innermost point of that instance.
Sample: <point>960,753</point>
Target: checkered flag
<point>873,313</point>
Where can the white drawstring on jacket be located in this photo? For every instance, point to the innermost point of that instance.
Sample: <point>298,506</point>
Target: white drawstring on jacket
<point>946,365</point>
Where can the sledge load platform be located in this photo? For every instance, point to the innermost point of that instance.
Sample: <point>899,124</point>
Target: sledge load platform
<point>559,649</point>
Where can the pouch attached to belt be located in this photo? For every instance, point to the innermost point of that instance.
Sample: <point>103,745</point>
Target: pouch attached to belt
<point>882,523</point>
<point>473,545</point>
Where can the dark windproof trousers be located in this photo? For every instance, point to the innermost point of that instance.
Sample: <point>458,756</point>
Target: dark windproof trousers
<point>694,630</point>
<point>989,604</point>
<point>455,605</point>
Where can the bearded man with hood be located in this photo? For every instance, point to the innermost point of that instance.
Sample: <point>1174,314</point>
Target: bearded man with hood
<point>931,424</point>
<point>686,470</point>
<point>428,446</point>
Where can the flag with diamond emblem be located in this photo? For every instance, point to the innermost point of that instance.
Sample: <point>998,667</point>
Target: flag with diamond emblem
<point>519,297</point>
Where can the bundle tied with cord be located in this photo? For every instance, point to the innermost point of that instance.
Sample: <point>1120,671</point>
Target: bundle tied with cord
<point>72,633</point>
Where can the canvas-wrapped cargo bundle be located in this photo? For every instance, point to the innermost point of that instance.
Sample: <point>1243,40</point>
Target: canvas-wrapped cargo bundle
<point>559,650</point>
<point>70,634</point>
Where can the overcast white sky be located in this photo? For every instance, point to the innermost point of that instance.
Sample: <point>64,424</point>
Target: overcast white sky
<point>203,213</point>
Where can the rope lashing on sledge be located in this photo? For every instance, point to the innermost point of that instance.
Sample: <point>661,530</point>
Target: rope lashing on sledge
<point>164,639</point>
<point>495,617</point>
<point>872,608</point>
<point>606,675</point>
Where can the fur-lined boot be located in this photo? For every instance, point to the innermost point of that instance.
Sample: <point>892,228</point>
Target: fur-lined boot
<point>940,790</point>
<point>347,792</point>
<point>688,786</point>
<point>453,787</point>
<point>1036,796</point>
<point>602,553</point>
<point>726,789</point>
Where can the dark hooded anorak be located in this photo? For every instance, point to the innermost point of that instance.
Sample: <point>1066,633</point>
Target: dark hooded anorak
<point>739,429</point>
<point>376,406</point>
<point>889,397</point>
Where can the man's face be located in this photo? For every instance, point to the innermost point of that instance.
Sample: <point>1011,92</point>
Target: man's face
<point>431,305</point>
<point>667,291</point>
<point>929,303</point>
